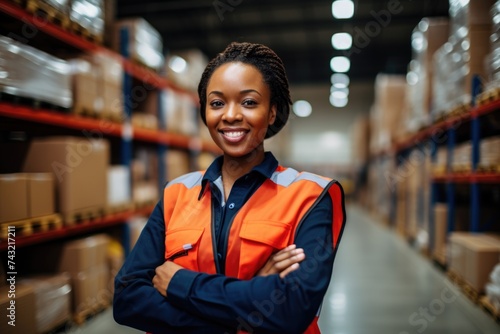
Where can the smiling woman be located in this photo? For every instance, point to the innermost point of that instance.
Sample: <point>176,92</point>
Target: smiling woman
<point>246,245</point>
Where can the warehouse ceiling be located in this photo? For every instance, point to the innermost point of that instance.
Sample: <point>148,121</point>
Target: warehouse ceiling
<point>298,30</point>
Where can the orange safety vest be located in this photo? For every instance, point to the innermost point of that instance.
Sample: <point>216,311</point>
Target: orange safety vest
<point>266,223</point>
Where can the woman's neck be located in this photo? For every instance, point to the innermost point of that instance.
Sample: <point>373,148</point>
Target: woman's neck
<point>234,168</point>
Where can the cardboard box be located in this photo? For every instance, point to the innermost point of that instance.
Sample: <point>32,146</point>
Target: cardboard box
<point>85,82</point>
<point>84,254</point>
<point>440,231</point>
<point>25,310</point>
<point>480,258</point>
<point>177,163</point>
<point>90,288</point>
<point>41,194</point>
<point>13,197</point>
<point>79,166</point>
<point>52,300</point>
<point>456,252</point>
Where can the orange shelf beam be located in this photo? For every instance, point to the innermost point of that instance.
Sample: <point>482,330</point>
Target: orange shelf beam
<point>58,119</point>
<point>491,178</point>
<point>67,231</point>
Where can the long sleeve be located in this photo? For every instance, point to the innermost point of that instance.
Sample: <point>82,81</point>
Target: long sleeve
<point>137,303</point>
<point>266,304</point>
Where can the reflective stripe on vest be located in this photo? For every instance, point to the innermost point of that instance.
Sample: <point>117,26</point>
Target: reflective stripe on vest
<point>278,207</point>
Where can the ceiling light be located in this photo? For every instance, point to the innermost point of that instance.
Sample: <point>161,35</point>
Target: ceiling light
<point>339,93</point>
<point>340,80</point>
<point>342,41</point>
<point>338,102</point>
<point>342,9</point>
<point>302,108</point>
<point>340,64</point>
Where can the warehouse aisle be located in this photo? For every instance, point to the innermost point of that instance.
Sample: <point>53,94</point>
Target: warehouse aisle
<point>380,285</point>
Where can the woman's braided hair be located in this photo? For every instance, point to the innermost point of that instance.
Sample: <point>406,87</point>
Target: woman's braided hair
<point>270,66</point>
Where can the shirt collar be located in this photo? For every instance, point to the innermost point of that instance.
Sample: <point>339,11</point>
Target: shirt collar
<point>266,168</point>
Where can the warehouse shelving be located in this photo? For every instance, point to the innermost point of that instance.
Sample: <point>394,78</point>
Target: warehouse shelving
<point>124,132</point>
<point>465,126</point>
<point>103,126</point>
<point>137,71</point>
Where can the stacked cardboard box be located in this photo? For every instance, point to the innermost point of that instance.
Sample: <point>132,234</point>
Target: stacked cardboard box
<point>97,86</point>
<point>145,177</point>
<point>473,256</point>
<point>177,163</point>
<point>360,136</point>
<point>26,195</point>
<point>489,153</point>
<point>79,167</point>
<point>461,160</point>
<point>85,260</point>
<point>390,101</point>
<point>178,113</point>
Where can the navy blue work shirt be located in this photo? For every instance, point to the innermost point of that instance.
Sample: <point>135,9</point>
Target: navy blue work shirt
<point>213,303</point>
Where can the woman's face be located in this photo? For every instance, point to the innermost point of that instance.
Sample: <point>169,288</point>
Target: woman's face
<point>238,110</point>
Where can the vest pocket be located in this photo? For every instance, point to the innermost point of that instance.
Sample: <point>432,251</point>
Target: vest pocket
<point>181,247</point>
<point>259,240</point>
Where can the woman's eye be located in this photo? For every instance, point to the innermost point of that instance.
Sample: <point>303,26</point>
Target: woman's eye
<point>215,104</point>
<point>249,103</point>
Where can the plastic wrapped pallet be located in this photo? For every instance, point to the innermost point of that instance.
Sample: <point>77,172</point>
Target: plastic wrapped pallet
<point>427,37</point>
<point>493,288</point>
<point>52,300</point>
<point>145,44</point>
<point>89,14</point>
<point>33,74</point>
<point>470,39</point>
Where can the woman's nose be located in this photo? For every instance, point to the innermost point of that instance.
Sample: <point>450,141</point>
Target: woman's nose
<point>232,113</point>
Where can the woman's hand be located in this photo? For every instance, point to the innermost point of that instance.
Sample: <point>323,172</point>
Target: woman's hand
<point>283,262</point>
<point>164,274</point>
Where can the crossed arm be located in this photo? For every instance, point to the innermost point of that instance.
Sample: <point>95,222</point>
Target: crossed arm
<point>174,300</point>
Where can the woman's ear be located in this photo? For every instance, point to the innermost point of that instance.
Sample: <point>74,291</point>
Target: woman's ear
<point>272,115</point>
